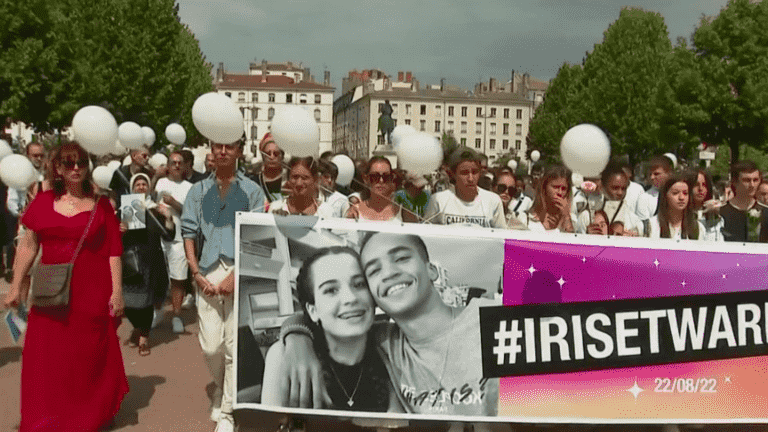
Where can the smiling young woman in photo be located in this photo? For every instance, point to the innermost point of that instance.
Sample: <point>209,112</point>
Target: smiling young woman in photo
<point>334,294</point>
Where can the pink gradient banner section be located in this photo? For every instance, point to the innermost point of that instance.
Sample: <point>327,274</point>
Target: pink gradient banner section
<point>542,272</point>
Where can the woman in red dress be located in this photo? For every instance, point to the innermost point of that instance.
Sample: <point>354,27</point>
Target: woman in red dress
<point>72,376</point>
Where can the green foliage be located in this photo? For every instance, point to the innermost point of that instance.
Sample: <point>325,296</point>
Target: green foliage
<point>449,143</point>
<point>732,52</point>
<point>134,58</point>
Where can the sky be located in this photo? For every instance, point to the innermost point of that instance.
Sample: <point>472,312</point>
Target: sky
<point>463,42</point>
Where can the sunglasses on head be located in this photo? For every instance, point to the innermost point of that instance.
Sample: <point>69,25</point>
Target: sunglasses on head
<point>379,177</point>
<point>501,188</point>
<point>70,163</point>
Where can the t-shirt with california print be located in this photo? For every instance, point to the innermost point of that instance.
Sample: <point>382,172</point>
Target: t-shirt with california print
<point>486,210</point>
<point>427,382</point>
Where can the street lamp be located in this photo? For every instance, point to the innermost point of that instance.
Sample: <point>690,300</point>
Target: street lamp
<point>535,156</point>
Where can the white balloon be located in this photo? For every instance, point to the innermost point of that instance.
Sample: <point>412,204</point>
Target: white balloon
<point>296,131</point>
<point>673,158</point>
<point>119,149</point>
<point>346,169</point>
<point>512,164</point>
<point>127,160</point>
<point>585,149</point>
<point>102,176</point>
<point>175,133</point>
<point>157,160</point>
<point>149,135</point>
<point>113,165</point>
<point>95,129</point>
<point>399,132</point>
<point>130,135</point>
<point>419,153</point>
<point>17,171</point>
<point>535,156</point>
<point>217,118</point>
<point>5,149</point>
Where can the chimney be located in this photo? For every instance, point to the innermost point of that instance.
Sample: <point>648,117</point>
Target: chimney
<point>264,70</point>
<point>289,64</point>
<point>414,84</point>
<point>493,85</point>
<point>327,78</point>
<point>400,76</point>
<point>220,72</point>
<point>387,84</point>
<point>307,76</point>
<point>408,76</point>
<point>442,84</point>
<point>311,78</point>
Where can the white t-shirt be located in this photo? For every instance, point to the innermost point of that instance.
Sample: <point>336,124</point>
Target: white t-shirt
<point>179,191</point>
<point>332,207</point>
<point>486,210</point>
<point>538,226</point>
<point>634,190</point>
<point>629,219</point>
<point>675,233</point>
<point>647,203</point>
<point>520,205</point>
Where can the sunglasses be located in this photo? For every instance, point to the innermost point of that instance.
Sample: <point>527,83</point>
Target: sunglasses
<point>70,163</point>
<point>501,188</point>
<point>379,177</point>
<point>272,154</point>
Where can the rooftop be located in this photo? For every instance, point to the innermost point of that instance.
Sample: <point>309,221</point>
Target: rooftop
<point>246,82</point>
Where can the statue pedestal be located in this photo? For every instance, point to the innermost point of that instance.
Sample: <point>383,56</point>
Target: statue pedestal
<point>388,151</point>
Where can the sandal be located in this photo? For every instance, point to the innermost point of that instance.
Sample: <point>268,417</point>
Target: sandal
<point>133,341</point>
<point>144,348</point>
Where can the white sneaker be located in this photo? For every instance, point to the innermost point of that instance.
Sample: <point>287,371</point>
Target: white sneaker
<point>178,325</point>
<point>189,302</point>
<point>225,425</point>
<point>158,317</point>
<point>215,414</point>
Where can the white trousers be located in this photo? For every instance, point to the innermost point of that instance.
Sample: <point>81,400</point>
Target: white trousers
<point>215,315</point>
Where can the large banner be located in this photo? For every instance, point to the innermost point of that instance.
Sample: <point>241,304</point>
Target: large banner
<point>452,323</point>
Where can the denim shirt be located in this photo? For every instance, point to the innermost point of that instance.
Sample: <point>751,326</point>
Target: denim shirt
<point>204,209</point>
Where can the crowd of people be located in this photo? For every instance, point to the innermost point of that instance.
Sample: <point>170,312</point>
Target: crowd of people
<point>182,248</point>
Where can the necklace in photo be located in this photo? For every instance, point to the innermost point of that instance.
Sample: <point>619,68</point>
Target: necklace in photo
<point>350,397</point>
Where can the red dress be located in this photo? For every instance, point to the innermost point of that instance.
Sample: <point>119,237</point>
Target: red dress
<point>72,372</point>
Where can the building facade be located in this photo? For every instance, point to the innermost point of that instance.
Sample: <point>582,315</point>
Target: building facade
<point>263,90</point>
<point>490,123</point>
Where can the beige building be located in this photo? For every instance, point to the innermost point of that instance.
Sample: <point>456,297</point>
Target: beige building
<point>271,85</point>
<point>491,123</point>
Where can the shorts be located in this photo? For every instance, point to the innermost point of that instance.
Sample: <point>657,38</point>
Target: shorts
<point>176,259</point>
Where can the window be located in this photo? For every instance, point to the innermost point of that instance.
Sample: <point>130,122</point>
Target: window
<point>518,144</point>
<point>450,111</point>
<point>463,142</point>
<point>505,130</point>
<point>478,128</point>
<point>438,110</point>
<point>408,121</point>
<point>270,113</point>
<point>254,113</point>
<point>254,97</point>
<point>519,114</point>
<point>506,112</point>
<point>241,97</point>
<point>463,111</point>
<point>423,110</point>
<point>463,127</point>
<point>493,129</point>
<point>492,144</point>
<point>450,126</point>
<point>423,125</point>
<point>317,114</point>
<point>289,98</point>
<point>317,99</point>
<point>303,98</point>
<point>437,125</point>
<point>408,109</point>
<point>254,132</point>
<point>228,94</point>
<point>478,112</point>
<point>477,142</point>
<point>518,129</point>
<point>271,98</point>
<point>505,144</point>
<point>493,112</point>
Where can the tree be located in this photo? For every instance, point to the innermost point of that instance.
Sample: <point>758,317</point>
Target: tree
<point>134,58</point>
<point>732,52</point>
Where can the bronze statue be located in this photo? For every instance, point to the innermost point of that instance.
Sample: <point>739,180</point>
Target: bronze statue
<point>386,124</point>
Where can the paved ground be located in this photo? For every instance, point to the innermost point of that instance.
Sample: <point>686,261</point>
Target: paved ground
<point>169,390</point>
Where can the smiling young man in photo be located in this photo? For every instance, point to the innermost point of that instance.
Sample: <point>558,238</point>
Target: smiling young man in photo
<point>432,351</point>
